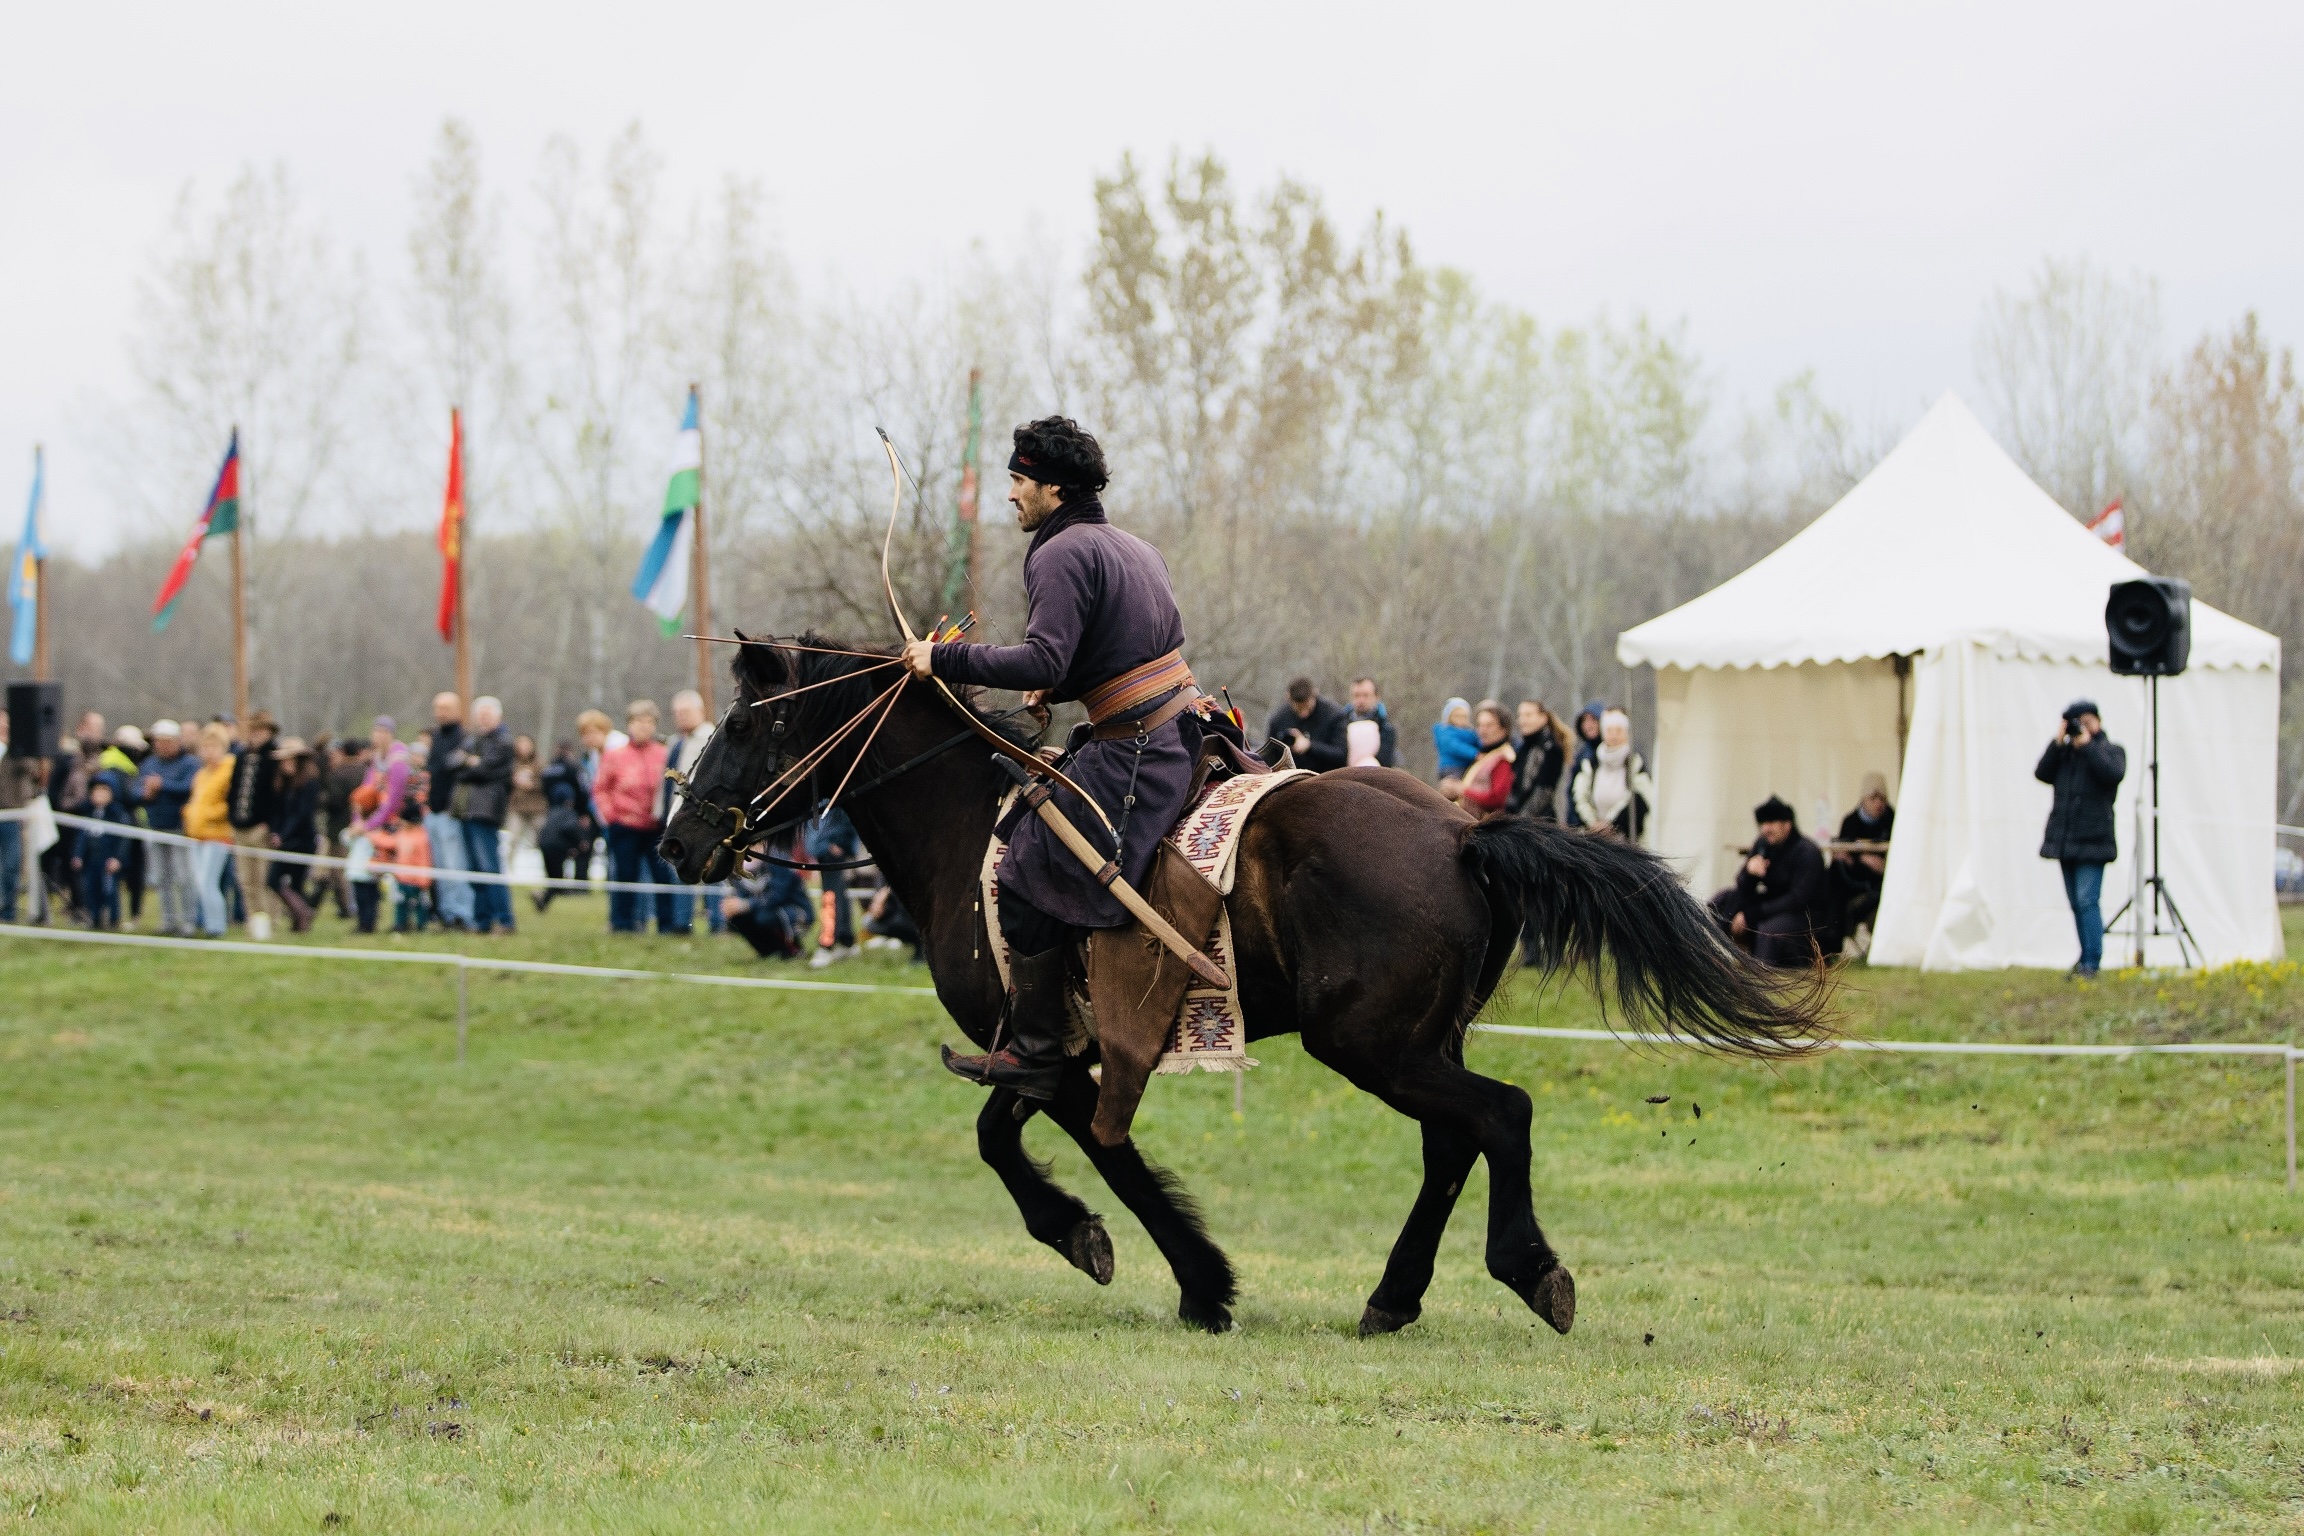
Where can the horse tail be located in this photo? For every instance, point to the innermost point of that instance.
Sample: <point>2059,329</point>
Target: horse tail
<point>1588,895</point>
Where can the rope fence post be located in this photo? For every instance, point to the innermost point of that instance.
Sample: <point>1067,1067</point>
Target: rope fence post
<point>462,1007</point>
<point>2293,1053</point>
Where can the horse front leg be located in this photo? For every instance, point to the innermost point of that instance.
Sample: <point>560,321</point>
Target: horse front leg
<point>1205,1282</point>
<point>1051,1213</point>
<point>1398,1299</point>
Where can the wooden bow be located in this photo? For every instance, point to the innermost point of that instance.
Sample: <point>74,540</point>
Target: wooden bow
<point>1033,762</point>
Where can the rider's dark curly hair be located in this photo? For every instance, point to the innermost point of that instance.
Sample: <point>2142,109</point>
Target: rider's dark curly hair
<point>1055,451</point>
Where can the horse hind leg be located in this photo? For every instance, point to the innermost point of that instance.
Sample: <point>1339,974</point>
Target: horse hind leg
<point>1495,1118</point>
<point>1052,1214</point>
<point>1398,1299</point>
<point>1518,1255</point>
<point>1205,1283</point>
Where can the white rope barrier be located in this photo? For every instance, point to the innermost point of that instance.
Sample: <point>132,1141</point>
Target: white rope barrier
<point>329,861</point>
<point>468,963</point>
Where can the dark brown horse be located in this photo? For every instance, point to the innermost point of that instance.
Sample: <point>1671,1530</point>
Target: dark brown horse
<point>1370,917</point>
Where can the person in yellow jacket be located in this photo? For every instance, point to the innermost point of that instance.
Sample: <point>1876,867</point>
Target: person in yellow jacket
<point>208,820</point>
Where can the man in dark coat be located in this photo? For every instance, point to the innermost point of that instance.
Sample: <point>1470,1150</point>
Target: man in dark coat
<point>2086,769</point>
<point>481,760</point>
<point>1779,904</point>
<point>1367,706</point>
<point>1312,726</point>
<point>253,801</point>
<point>1101,627</point>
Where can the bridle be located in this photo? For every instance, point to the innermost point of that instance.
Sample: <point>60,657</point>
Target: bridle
<point>739,830</point>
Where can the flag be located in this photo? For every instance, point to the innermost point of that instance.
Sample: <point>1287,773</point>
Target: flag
<point>221,515</point>
<point>663,580</point>
<point>452,526</point>
<point>2111,526</point>
<point>24,573</point>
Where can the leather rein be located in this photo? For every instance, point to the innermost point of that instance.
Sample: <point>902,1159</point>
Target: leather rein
<point>746,828</point>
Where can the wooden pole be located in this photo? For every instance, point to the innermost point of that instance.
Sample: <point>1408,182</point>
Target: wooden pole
<point>700,572</point>
<point>40,672</point>
<point>40,663</point>
<point>240,586</point>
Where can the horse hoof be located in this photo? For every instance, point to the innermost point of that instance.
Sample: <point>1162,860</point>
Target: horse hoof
<point>1207,1317</point>
<point>1375,1320</point>
<point>1553,1298</point>
<point>1089,1247</point>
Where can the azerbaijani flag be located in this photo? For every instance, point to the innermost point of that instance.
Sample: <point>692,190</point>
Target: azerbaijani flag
<point>663,580</point>
<point>24,573</point>
<point>222,515</point>
<point>452,525</point>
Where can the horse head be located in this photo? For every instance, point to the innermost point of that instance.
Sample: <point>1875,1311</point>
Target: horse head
<point>760,770</point>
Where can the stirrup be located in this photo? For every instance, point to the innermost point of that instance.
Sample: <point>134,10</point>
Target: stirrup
<point>1033,1080</point>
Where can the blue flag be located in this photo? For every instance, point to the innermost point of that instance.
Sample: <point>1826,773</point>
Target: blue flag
<point>24,574</point>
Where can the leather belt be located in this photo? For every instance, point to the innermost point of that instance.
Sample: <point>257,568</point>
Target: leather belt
<point>1137,685</point>
<point>1187,697</point>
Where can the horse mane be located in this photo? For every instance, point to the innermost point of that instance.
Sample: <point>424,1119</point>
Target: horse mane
<point>846,684</point>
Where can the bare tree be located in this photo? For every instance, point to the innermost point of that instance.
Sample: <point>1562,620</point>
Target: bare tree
<point>247,317</point>
<point>2067,369</point>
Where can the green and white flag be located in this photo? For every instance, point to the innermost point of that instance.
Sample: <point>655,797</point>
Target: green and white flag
<point>662,584</point>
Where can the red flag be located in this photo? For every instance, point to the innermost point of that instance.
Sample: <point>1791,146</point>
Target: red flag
<point>221,515</point>
<point>2111,526</point>
<point>452,526</point>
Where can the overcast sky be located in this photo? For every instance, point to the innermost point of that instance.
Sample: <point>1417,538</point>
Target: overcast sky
<point>1836,186</point>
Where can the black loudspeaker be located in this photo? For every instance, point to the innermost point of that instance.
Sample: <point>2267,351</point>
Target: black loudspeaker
<point>35,719</point>
<point>2149,623</point>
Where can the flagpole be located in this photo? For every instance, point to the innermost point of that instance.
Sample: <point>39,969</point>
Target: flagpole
<point>40,672</point>
<point>240,588</point>
<point>463,548</point>
<point>700,569</point>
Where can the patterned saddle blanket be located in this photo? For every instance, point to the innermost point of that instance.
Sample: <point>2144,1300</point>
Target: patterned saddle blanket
<point>1210,1033</point>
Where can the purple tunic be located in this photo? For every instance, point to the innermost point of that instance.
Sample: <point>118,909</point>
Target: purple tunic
<point>1099,604</point>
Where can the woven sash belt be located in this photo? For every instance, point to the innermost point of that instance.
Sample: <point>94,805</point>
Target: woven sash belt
<point>1134,687</point>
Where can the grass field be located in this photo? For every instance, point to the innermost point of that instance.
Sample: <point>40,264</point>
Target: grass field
<point>675,1259</point>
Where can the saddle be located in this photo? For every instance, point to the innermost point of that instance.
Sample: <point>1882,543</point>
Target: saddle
<point>1143,1009</point>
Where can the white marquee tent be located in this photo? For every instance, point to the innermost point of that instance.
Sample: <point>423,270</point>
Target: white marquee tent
<point>1932,626</point>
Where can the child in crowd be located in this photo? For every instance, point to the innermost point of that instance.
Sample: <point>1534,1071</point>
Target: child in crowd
<point>1456,744</point>
<point>97,856</point>
<point>405,844</point>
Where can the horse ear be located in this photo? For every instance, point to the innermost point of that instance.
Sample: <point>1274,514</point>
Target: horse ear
<point>760,664</point>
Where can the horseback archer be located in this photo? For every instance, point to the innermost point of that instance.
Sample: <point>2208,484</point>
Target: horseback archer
<point>1101,627</point>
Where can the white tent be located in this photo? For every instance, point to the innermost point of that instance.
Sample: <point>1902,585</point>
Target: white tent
<point>1932,626</point>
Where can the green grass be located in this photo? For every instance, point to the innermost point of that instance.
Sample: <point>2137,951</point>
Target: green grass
<point>666,1258</point>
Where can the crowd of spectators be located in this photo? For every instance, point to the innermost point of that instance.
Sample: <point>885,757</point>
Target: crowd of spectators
<point>416,819</point>
<point>398,828</point>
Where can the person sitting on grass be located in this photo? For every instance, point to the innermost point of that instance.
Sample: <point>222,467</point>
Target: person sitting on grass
<point>769,910</point>
<point>97,856</point>
<point>888,926</point>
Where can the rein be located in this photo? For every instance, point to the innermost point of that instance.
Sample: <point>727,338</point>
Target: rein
<point>745,834</point>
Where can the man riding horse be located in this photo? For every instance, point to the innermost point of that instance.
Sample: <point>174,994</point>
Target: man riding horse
<point>1102,628</point>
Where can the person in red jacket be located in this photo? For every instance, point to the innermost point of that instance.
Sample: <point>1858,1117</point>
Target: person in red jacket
<point>626,795</point>
<point>1488,782</point>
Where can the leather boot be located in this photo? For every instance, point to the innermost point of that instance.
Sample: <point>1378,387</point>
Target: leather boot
<point>1031,1061</point>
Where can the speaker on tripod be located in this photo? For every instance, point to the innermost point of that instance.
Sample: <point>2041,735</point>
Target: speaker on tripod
<point>35,719</point>
<point>2148,623</point>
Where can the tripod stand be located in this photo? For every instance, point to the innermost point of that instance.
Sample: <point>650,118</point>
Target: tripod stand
<point>2163,900</point>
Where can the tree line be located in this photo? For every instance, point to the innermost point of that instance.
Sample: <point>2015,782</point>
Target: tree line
<point>1354,460</point>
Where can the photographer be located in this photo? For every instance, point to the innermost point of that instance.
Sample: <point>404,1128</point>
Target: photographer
<point>2085,769</point>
